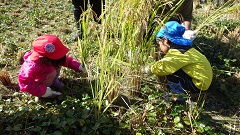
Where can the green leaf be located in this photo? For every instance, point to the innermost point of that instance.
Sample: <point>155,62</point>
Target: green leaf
<point>117,132</point>
<point>97,124</point>
<point>36,129</point>
<point>152,114</point>
<point>63,123</point>
<point>179,125</point>
<point>106,131</point>
<point>200,129</point>
<point>207,128</point>
<point>176,119</point>
<point>81,122</point>
<point>70,121</point>
<point>186,120</point>
<point>228,73</point>
<point>59,107</point>
<point>9,128</point>
<point>17,127</point>
<point>84,129</point>
<point>34,111</point>
<point>69,113</point>
<point>44,124</point>
<point>57,133</point>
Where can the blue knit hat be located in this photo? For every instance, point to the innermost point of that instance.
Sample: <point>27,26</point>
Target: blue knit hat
<point>174,32</point>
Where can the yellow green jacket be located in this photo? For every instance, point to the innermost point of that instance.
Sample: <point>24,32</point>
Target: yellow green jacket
<point>192,62</point>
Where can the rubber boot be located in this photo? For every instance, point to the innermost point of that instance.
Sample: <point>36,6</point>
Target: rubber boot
<point>77,13</point>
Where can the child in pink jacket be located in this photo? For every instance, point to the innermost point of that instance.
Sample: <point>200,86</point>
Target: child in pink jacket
<point>41,67</point>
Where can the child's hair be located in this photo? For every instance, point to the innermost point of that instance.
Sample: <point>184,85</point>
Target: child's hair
<point>55,63</point>
<point>161,39</point>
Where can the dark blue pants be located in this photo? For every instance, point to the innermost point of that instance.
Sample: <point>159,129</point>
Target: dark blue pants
<point>181,79</point>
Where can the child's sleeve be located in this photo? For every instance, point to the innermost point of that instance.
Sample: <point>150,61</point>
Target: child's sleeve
<point>72,64</point>
<point>171,63</point>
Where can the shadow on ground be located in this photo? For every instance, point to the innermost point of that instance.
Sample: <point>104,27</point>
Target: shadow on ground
<point>222,106</point>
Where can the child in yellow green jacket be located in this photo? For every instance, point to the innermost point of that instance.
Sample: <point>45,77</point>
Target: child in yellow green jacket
<point>185,68</point>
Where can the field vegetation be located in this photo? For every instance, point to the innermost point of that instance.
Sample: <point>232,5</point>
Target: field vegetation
<point>115,96</point>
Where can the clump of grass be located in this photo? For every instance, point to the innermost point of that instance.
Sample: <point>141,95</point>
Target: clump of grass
<point>226,8</point>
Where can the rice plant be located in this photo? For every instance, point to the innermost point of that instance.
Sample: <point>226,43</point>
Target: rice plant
<point>112,50</point>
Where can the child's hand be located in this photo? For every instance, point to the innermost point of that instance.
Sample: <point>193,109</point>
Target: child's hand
<point>51,93</point>
<point>82,69</point>
<point>146,70</point>
<point>189,34</point>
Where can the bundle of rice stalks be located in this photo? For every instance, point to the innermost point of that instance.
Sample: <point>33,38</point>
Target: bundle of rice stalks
<point>5,78</point>
<point>6,81</point>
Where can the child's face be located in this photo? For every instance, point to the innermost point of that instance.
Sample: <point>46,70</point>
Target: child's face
<point>163,45</point>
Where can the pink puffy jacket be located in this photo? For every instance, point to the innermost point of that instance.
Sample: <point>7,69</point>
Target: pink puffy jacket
<point>33,72</point>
